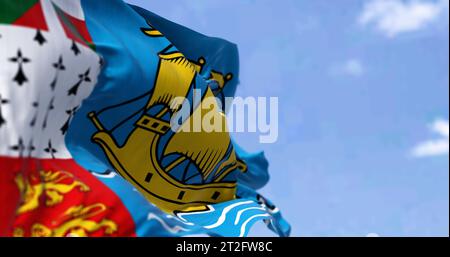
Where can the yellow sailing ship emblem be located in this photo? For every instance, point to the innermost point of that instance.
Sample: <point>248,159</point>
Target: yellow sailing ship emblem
<point>174,169</point>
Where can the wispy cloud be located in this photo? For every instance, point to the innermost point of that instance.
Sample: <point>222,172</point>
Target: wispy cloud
<point>392,17</point>
<point>435,147</point>
<point>351,67</point>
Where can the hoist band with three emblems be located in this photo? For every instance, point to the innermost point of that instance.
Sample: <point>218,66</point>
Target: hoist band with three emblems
<point>88,144</point>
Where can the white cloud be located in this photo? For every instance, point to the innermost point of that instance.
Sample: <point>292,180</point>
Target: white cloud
<point>352,67</point>
<point>392,17</point>
<point>435,147</point>
<point>372,235</point>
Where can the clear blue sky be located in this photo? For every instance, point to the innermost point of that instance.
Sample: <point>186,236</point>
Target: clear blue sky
<point>360,85</point>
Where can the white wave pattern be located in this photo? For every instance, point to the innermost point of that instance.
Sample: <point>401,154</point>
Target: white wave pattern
<point>244,225</point>
<point>241,225</point>
<point>107,175</point>
<point>225,211</point>
<point>173,230</point>
<point>239,214</point>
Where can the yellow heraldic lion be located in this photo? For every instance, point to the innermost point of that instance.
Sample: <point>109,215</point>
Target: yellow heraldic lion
<point>53,184</point>
<point>77,223</point>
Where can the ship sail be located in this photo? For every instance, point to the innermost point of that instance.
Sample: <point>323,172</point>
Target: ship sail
<point>175,77</point>
<point>206,149</point>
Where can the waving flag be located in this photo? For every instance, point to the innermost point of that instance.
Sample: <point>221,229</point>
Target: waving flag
<point>87,144</point>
